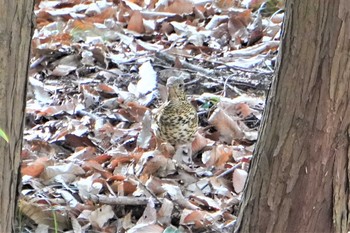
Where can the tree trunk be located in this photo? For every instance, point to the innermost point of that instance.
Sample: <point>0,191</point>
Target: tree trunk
<point>15,35</point>
<point>299,178</point>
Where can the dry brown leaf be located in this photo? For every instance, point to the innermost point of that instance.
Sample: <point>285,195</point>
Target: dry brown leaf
<point>237,26</point>
<point>117,177</point>
<point>94,166</point>
<point>196,218</point>
<point>200,142</point>
<point>224,4</point>
<point>36,168</point>
<point>106,88</point>
<point>154,184</point>
<point>64,39</point>
<point>221,186</point>
<point>206,201</point>
<point>123,188</point>
<point>128,187</point>
<point>227,127</point>
<point>224,154</point>
<point>82,25</point>
<point>107,13</point>
<point>166,28</point>
<point>40,146</point>
<point>133,111</point>
<point>243,110</point>
<point>82,153</point>
<point>218,156</point>
<point>120,159</point>
<point>102,158</point>
<point>179,7</point>
<point>158,164</point>
<point>254,4</point>
<point>43,19</point>
<point>136,23</point>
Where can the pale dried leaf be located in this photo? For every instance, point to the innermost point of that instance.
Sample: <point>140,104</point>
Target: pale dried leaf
<point>149,215</point>
<point>69,168</point>
<point>239,178</point>
<point>63,70</point>
<point>148,81</point>
<point>176,195</point>
<point>127,221</point>
<point>75,225</point>
<point>145,135</point>
<point>101,215</point>
<point>146,228</point>
<point>87,186</point>
<point>165,212</point>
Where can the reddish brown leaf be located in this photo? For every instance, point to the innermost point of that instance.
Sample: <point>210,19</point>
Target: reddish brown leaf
<point>36,168</point>
<point>136,23</point>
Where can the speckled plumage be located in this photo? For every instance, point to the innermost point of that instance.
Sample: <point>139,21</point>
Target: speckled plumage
<point>176,120</point>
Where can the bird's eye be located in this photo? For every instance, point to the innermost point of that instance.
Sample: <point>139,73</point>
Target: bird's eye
<point>181,85</point>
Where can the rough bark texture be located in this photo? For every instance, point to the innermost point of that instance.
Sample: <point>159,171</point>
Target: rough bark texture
<point>15,35</point>
<point>299,179</point>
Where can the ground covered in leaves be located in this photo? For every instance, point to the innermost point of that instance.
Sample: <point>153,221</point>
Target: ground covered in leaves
<point>97,76</point>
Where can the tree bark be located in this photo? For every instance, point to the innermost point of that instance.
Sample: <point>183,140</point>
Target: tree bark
<point>299,178</point>
<point>15,35</point>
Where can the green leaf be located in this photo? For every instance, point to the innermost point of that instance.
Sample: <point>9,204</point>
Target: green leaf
<point>4,136</point>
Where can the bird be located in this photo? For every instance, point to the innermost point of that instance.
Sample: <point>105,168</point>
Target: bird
<point>176,121</point>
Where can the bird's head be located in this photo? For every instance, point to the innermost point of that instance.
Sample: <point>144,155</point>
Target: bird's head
<point>176,88</point>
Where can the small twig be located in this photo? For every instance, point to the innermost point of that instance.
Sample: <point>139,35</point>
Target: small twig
<point>229,170</point>
<point>247,70</point>
<point>187,65</point>
<point>147,190</point>
<point>217,80</point>
<point>122,200</point>
<point>225,87</point>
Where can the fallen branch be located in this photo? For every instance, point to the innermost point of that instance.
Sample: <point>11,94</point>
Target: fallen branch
<point>121,200</point>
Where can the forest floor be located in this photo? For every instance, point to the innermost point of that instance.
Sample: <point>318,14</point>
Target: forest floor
<point>97,76</point>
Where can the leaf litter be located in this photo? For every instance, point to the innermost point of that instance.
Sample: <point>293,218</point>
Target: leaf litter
<point>97,75</point>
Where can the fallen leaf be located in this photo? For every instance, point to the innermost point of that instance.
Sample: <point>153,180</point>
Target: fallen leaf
<point>148,81</point>
<point>227,127</point>
<point>179,7</point>
<point>36,168</point>
<point>101,215</point>
<point>165,212</point>
<point>136,23</point>
<point>239,178</point>
<point>146,228</point>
